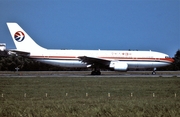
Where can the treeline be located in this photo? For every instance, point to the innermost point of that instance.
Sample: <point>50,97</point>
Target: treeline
<point>176,64</point>
<point>10,63</point>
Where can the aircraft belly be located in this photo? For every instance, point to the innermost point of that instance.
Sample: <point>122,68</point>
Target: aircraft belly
<point>65,63</point>
<point>79,64</point>
<point>146,64</point>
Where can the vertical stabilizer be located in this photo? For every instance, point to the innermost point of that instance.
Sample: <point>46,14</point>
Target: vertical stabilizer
<point>22,40</point>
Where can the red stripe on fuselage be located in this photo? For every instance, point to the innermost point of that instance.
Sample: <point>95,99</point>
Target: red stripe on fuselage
<point>138,59</point>
<point>54,57</point>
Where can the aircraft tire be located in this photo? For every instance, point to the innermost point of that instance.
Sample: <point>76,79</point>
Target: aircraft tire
<point>153,73</point>
<point>95,73</point>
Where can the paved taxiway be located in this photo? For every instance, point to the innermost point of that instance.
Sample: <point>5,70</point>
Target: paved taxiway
<point>87,74</point>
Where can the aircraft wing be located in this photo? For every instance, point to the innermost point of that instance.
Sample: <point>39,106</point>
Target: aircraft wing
<point>93,61</point>
<point>18,53</point>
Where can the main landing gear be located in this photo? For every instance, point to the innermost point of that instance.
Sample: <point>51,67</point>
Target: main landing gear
<point>154,71</point>
<point>96,72</point>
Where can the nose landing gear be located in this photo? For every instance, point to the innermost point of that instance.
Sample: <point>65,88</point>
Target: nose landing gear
<point>154,71</point>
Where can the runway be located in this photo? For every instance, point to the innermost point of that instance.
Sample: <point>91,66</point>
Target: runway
<point>87,74</point>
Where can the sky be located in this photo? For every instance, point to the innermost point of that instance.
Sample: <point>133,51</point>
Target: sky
<point>95,24</point>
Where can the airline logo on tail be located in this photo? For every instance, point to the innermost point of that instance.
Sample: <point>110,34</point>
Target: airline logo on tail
<point>19,36</point>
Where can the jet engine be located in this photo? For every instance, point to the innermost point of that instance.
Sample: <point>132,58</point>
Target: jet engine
<point>118,65</point>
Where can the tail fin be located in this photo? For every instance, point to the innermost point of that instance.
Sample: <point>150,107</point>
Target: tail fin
<point>22,40</point>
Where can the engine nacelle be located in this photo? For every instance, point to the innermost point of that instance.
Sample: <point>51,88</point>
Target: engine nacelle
<point>118,65</point>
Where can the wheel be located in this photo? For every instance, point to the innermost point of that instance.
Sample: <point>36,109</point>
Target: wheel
<point>98,73</point>
<point>95,73</point>
<point>153,73</point>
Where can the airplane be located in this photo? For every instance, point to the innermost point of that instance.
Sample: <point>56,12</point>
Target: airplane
<point>117,60</point>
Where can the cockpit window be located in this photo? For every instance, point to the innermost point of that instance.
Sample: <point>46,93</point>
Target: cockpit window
<point>166,56</point>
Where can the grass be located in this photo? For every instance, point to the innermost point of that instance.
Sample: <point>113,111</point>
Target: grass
<point>66,97</point>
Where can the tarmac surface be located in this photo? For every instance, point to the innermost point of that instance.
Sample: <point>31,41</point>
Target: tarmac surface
<point>88,74</point>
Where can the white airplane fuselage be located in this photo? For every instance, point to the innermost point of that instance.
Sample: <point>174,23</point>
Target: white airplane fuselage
<point>134,59</point>
<point>120,60</point>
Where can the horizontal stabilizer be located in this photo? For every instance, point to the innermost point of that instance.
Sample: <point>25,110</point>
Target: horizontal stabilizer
<point>18,53</point>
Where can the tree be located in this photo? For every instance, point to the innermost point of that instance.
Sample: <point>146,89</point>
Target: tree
<point>176,63</point>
